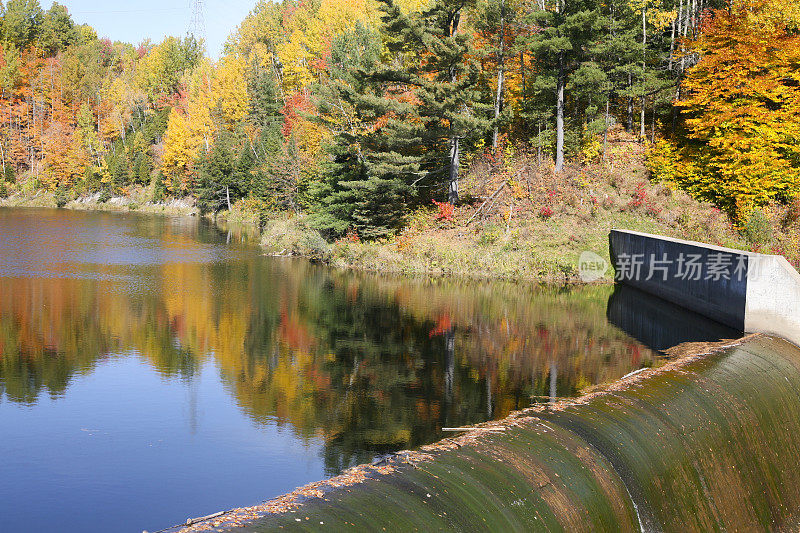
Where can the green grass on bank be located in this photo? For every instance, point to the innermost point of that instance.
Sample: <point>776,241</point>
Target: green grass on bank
<point>535,228</point>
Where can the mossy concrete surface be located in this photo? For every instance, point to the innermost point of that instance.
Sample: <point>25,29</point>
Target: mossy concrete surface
<point>708,442</point>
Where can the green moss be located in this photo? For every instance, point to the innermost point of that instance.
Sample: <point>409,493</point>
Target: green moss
<point>707,445</point>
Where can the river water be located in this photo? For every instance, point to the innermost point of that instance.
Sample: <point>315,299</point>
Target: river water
<point>154,369</point>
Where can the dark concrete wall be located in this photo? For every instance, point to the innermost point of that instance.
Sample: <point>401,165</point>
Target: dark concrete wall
<point>659,324</point>
<point>715,296</point>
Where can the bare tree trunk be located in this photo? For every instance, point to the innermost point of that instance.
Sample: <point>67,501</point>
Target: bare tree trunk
<point>560,115</point>
<point>653,125</point>
<point>498,101</point>
<point>687,19</point>
<point>682,25</point>
<point>629,119</point>
<point>559,105</point>
<point>455,148</point>
<point>672,37</point>
<point>228,196</point>
<point>539,146</point>
<point>605,130</point>
<point>643,120</point>
<point>452,193</point>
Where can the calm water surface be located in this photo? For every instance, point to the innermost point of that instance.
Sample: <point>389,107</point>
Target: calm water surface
<point>153,368</point>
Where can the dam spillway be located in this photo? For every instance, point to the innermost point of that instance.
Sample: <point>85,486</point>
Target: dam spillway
<point>707,442</point>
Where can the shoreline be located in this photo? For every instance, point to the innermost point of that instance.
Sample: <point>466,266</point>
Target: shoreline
<point>118,204</point>
<point>288,236</point>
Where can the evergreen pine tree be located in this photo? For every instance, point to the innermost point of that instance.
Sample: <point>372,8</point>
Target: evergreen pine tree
<point>560,46</point>
<point>220,184</point>
<point>411,114</point>
<point>265,105</point>
<point>345,105</point>
<point>119,168</point>
<point>242,178</point>
<point>259,165</point>
<point>159,188</point>
<point>266,166</point>
<point>142,169</point>
<point>442,75</point>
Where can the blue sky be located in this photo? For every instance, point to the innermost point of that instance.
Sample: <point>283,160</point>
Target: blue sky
<point>154,19</point>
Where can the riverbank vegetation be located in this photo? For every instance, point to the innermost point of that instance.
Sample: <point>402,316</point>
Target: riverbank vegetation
<point>490,137</point>
<point>526,221</point>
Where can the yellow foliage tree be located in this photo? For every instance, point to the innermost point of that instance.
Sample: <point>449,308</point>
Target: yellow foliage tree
<point>190,127</point>
<point>742,109</point>
<point>230,90</point>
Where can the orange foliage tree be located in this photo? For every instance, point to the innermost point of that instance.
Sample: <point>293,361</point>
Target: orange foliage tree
<point>741,143</point>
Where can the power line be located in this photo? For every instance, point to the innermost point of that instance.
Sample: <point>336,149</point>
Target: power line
<point>123,11</point>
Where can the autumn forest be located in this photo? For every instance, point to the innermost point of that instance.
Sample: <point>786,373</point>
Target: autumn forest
<point>355,113</point>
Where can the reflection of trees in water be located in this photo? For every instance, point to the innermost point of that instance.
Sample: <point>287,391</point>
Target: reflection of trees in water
<point>51,329</point>
<point>45,337</point>
<point>364,363</point>
<point>404,358</point>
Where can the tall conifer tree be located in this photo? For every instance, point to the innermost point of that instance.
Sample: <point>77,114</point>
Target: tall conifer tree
<point>560,46</point>
<point>416,109</point>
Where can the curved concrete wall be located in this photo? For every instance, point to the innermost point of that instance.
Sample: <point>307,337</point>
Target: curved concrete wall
<point>747,291</point>
<point>706,444</point>
<point>678,271</point>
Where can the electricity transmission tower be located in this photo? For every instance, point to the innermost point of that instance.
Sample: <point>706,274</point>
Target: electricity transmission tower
<point>197,24</point>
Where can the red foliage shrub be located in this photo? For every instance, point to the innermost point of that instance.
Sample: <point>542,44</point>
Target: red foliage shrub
<point>352,236</point>
<point>639,195</point>
<point>446,211</point>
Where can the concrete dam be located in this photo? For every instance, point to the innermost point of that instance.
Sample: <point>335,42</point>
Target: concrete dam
<point>708,441</point>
